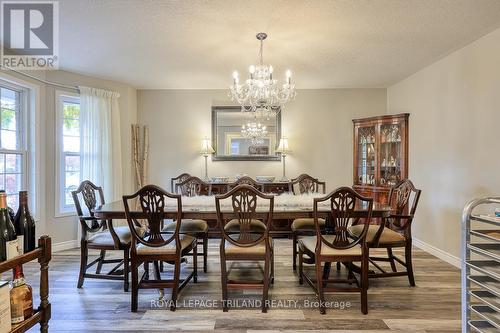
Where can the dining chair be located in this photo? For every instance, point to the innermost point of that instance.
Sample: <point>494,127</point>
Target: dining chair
<point>340,206</point>
<point>304,226</point>
<point>155,245</point>
<point>245,244</point>
<point>245,180</point>
<point>394,232</point>
<point>193,186</point>
<point>99,235</point>
<point>176,180</point>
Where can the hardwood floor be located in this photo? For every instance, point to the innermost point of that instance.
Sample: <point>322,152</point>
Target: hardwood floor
<point>432,306</point>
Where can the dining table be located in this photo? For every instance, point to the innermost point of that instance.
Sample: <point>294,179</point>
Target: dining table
<point>287,207</point>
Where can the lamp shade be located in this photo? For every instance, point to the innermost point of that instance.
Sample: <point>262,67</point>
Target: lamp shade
<point>206,147</point>
<point>283,147</point>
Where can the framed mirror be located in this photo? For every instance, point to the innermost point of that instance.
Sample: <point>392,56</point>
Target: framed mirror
<point>233,137</point>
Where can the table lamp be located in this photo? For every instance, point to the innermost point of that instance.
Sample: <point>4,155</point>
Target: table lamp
<point>206,149</point>
<point>284,150</point>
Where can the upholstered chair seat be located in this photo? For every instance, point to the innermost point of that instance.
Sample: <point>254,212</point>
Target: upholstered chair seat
<point>256,250</point>
<point>309,243</point>
<point>388,236</point>
<point>185,240</point>
<point>306,224</point>
<point>104,237</point>
<point>188,226</point>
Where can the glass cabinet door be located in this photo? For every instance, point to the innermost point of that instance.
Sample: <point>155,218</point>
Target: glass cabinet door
<point>390,154</point>
<point>366,155</point>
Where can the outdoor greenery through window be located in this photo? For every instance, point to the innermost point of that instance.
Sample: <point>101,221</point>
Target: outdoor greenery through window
<point>12,151</point>
<point>70,151</point>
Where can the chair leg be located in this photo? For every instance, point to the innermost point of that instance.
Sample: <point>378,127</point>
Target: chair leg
<point>101,259</point>
<point>391,259</point>
<point>223,275</point>
<point>326,272</point>
<point>195,263</point>
<point>265,289</point>
<point>339,265</point>
<point>84,256</point>
<point>205,253</point>
<point>156,271</point>
<point>409,264</point>
<point>301,266</point>
<point>126,263</point>
<point>319,286</point>
<point>364,284</point>
<point>175,288</point>
<point>146,270</point>
<point>272,264</point>
<point>294,250</point>
<point>156,268</point>
<point>135,286</point>
<point>161,266</point>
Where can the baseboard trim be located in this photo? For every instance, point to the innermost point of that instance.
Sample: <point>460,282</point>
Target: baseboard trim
<point>68,245</point>
<point>445,256</point>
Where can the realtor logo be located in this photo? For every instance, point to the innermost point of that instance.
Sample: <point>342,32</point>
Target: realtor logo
<point>30,34</point>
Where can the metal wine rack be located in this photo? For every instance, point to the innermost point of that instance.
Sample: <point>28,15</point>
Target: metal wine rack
<point>481,267</point>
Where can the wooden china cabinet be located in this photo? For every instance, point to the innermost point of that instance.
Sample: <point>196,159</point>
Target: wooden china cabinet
<point>380,154</point>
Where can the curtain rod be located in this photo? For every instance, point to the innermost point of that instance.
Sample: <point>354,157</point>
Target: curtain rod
<point>42,80</point>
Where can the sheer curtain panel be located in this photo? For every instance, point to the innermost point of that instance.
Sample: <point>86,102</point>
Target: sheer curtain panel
<point>101,141</point>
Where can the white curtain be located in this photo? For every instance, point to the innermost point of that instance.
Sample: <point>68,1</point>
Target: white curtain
<point>101,141</point>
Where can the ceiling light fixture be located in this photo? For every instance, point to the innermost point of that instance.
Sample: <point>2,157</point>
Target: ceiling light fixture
<point>261,93</point>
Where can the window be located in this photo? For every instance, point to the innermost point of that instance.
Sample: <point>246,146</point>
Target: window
<point>13,154</point>
<point>68,143</point>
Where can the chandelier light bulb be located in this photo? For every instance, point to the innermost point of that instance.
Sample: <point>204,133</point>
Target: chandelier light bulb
<point>251,69</point>
<point>288,76</point>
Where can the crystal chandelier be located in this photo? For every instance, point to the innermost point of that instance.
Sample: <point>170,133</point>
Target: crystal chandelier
<point>261,93</point>
<point>254,131</point>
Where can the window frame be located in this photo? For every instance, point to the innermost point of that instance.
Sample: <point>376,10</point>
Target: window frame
<point>61,209</point>
<point>22,128</point>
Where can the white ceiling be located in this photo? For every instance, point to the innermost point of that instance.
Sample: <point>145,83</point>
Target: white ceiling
<point>195,44</point>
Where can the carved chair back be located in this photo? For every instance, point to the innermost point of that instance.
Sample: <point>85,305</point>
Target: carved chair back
<point>247,205</point>
<point>308,184</point>
<point>343,204</point>
<point>86,193</point>
<point>193,186</point>
<point>151,201</point>
<point>246,181</point>
<point>403,198</point>
<point>176,180</point>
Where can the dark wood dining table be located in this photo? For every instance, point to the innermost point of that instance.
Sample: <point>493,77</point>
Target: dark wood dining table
<point>115,210</point>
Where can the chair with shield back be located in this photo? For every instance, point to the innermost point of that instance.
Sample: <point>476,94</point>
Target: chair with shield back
<point>342,209</point>
<point>245,180</point>
<point>155,245</point>
<point>100,235</point>
<point>245,206</point>
<point>176,180</point>
<point>189,187</point>
<point>304,184</point>
<point>394,232</point>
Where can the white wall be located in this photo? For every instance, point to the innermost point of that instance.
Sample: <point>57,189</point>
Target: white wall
<point>454,136</point>
<point>318,125</point>
<point>63,230</point>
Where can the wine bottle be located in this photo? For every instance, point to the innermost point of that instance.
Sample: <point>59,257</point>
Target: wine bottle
<point>21,297</point>
<point>8,239</point>
<point>24,225</point>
